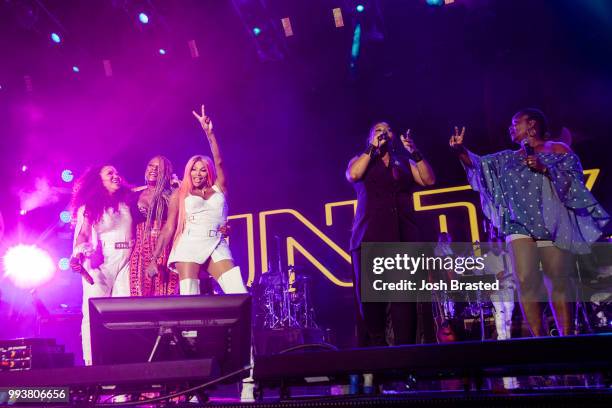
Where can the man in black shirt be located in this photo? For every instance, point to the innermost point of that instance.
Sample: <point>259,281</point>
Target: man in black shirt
<point>384,178</point>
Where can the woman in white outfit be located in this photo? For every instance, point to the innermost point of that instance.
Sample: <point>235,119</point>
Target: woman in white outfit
<point>197,210</point>
<point>102,240</point>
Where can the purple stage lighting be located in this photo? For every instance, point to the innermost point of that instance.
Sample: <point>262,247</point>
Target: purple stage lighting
<point>75,68</point>
<point>162,51</point>
<point>256,31</point>
<point>67,176</point>
<point>56,38</point>
<point>23,212</point>
<point>28,266</point>
<point>24,168</point>
<point>144,19</point>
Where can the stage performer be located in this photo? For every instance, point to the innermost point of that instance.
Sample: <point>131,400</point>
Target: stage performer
<point>536,197</point>
<point>149,217</point>
<point>384,179</point>
<point>196,215</point>
<point>102,239</point>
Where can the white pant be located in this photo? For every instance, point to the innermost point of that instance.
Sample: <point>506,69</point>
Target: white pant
<point>111,279</point>
<point>503,302</point>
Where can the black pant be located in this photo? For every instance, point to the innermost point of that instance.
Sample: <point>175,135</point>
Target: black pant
<point>372,316</point>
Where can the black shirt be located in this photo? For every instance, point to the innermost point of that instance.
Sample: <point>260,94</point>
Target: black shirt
<point>385,210</point>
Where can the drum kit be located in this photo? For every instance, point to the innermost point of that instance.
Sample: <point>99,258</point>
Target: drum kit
<point>457,306</point>
<point>283,300</point>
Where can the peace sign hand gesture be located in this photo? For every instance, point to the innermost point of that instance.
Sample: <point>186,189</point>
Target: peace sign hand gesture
<point>456,140</point>
<point>204,121</point>
<point>408,142</point>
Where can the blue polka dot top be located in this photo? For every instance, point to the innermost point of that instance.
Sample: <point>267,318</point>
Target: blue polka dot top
<point>556,206</point>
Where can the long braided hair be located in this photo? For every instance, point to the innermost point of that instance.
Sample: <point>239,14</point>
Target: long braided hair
<point>161,194</point>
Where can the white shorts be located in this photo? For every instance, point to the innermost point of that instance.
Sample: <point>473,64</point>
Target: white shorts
<point>540,244</point>
<point>198,248</point>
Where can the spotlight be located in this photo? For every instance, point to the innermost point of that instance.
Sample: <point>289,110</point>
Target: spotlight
<point>56,38</point>
<point>256,31</point>
<point>144,19</point>
<point>67,176</point>
<point>24,168</point>
<point>435,2</point>
<point>23,212</point>
<point>75,69</point>
<point>28,266</point>
<point>65,216</point>
<point>63,264</point>
<point>360,8</point>
<point>162,51</point>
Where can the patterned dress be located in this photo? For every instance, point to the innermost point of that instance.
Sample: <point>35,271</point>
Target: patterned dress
<point>164,283</point>
<point>556,207</point>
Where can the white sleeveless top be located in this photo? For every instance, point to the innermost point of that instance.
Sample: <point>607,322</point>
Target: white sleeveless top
<point>200,238</point>
<point>199,211</point>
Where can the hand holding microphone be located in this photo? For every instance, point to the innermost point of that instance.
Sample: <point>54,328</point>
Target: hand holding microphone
<point>532,161</point>
<point>76,264</point>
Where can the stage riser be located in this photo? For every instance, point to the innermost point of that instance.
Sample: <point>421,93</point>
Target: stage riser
<point>140,373</point>
<point>583,353</point>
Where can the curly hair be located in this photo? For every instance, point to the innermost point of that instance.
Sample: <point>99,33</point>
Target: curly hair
<point>89,192</point>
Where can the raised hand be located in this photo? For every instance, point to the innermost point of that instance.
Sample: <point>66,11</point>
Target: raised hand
<point>456,140</point>
<point>204,120</point>
<point>408,142</point>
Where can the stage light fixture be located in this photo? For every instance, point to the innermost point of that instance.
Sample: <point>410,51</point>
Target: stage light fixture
<point>162,51</point>
<point>435,2</point>
<point>256,31</point>
<point>63,264</point>
<point>360,8</point>
<point>56,38</point>
<point>67,176</point>
<point>65,216</point>
<point>75,69</point>
<point>28,266</point>
<point>356,42</point>
<point>286,22</point>
<point>143,18</point>
<point>23,212</point>
<point>24,168</point>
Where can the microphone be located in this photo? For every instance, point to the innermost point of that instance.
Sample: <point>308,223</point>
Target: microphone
<point>383,136</point>
<point>528,148</point>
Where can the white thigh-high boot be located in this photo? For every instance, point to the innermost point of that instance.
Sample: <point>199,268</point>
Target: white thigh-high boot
<point>231,281</point>
<point>189,286</point>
